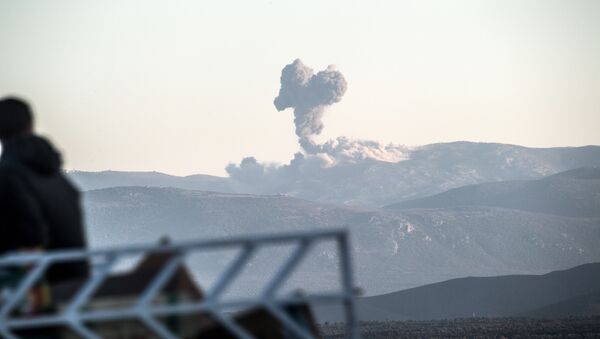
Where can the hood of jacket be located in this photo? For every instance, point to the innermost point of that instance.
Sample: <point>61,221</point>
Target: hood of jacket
<point>33,152</point>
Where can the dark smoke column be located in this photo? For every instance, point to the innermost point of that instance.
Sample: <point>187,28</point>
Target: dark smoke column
<point>309,94</point>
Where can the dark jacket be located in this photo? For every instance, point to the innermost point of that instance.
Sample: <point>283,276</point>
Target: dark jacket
<point>39,207</point>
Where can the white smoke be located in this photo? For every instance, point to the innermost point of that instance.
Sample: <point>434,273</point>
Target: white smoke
<point>343,149</point>
<point>309,94</point>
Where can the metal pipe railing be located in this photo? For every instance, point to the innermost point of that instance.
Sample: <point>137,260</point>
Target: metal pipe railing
<point>78,319</point>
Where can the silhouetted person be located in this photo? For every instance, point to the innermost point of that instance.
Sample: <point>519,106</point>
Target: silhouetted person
<point>39,208</point>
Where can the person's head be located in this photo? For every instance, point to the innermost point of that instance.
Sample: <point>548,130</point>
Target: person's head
<point>16,118</point>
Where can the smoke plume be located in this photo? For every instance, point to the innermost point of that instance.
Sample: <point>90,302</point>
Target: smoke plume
<point>309,94</point>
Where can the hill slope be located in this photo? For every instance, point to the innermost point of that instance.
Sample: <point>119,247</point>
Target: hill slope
<point>429,170</point>
<point>106,179</point>
<point>583,305</point>
<point>572,193</point>
<point>394,249</point>
<point>502,296</point>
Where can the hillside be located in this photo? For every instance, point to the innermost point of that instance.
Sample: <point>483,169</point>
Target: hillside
<point>393,249</point>
<point>501,296</point>
<point>582,305</point>
<point>429,170</point>
<point>106,179</point>
<point>572,193</point>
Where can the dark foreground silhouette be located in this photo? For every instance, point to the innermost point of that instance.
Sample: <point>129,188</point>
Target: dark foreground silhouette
<point>39,208</point>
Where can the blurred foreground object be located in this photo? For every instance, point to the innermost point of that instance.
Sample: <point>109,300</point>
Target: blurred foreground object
<point>159,297</point>
<point>40,209</point>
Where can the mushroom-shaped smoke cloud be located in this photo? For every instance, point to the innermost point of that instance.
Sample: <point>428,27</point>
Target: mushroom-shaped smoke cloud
<point>308,94</point>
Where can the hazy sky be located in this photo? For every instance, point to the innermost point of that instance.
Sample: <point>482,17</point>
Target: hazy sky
<point>188,86</point>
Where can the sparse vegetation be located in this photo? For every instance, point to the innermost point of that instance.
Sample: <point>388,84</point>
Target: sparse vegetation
<point>573,327</point>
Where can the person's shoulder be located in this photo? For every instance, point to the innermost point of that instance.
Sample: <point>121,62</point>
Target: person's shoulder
<point>8,174</point>
<point>9,166</point>
<point>11,171</point>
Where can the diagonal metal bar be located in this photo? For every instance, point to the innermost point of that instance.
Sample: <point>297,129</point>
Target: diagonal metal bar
<point>83,295</point>
<point>5,333</point>
<point>30,279</point>
<point>231,326</point>
<point>92,285</point>
<point>288,322</point>
<point>155,327</point>
<point>231,272</point>
<point>83,331</point>
<point>160,280</point>
<point>286,268</point>
<point>150,293</point>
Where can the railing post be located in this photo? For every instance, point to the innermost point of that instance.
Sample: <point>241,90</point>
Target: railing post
<point>347,278</point>
<point>286,268</point>
<point>231,272</point>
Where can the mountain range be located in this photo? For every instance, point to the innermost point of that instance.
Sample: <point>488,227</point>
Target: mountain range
<point>448,211</point>
<point>395,248</point>
<point>106,179</point>
<point>571,292</point>
<point>572,193</point>
<point>428,170</point>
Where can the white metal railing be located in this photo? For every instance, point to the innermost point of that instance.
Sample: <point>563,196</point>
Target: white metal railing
<point>77,318</point>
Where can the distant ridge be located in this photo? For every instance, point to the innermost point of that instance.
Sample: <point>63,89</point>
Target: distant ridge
<point>583,305</point>
<point>573,193</point>
<point>575,291</point>
<point>393,249</point>
<point>428,170</point>
<point>106,179</point>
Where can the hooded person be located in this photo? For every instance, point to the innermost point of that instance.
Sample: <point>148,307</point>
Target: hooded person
<point>39,208</point>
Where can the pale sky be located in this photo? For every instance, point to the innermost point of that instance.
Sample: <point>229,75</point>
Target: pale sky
<point>187,87</point>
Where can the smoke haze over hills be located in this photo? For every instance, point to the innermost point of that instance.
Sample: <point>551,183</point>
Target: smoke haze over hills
<point>309,95</point>
<point>393,248</point>
<point>431,169</point>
